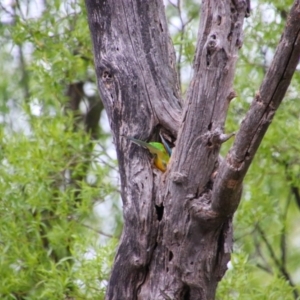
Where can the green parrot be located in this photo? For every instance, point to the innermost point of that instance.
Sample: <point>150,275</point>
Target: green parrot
<point>160,151</point>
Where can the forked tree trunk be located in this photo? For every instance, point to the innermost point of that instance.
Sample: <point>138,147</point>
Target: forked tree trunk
<point>177,234</point>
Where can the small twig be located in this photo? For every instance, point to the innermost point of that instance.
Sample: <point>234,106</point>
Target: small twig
<point>90,227</point>
<point>258,250</point>
<point>24,73</point>
<point>296,193</point>
<point>294,189</point>
<point>104,150</point>
<point>7,11</point>
<point>171,3</point>
<point>281,267</point>
<point>97,230</point>
<point>181,30</point>
<point>108,165</point>
<point>268,245</point>
<point>19,8</point>
<point>244,235</point>
<point>265,268</point>
<point>283,234</point>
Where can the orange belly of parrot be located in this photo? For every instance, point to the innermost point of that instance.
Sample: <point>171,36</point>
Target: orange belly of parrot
<point>160,164</point>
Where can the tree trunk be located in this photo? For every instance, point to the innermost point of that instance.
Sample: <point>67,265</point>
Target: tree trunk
<point>177,234</point>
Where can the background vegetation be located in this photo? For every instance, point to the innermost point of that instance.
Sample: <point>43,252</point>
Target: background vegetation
<point>60,208</point>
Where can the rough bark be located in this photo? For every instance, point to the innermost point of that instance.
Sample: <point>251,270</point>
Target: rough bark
<point>177,234</point>
<point>259,116</point>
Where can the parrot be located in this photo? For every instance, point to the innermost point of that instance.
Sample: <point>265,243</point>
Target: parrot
<point>160,151</point>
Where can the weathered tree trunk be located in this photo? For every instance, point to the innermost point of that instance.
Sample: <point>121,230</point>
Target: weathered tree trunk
<point>177,234</point>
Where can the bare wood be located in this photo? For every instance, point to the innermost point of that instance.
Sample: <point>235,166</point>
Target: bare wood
<point>194,243</point>
<point>135,66</point>
<point>259,117</point>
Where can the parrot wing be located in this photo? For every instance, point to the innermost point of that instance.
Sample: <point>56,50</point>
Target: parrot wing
<point>169,150</point>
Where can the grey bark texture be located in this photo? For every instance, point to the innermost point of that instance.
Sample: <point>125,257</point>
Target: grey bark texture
<point>177,234</point>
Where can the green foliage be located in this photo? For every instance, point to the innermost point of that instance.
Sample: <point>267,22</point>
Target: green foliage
<point>243,281</point>
<point>43,237</point>
<point>54,175</point>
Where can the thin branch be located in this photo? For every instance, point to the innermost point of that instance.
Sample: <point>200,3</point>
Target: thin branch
<point>20,10</point>
<point>12,15</point>
<point>171,3</point>
<point>181,42</point>
<point>283,233</point>
<point>24,73</point>
<point>90,227</point>
<point>96,230</point>
<point>244,235</point>
<point>296,193</point>
<point>182,31</point>
<point>294,189</point>
<point>258,251</point>
<point>268,245</point>
<point>108,164</point>
<point>264,268</point>
<point>278,264</point>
